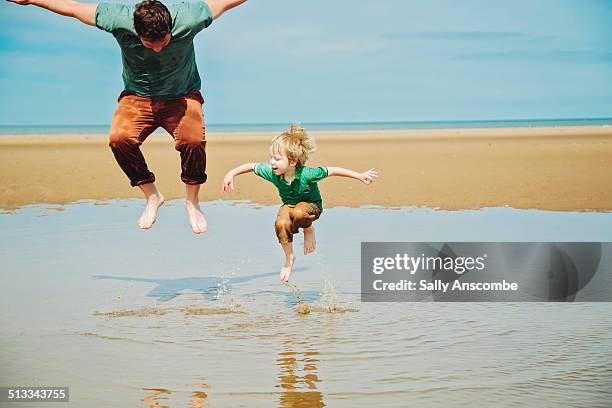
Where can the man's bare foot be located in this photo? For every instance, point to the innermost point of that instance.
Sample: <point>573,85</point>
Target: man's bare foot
<point>196,217</point>
<point>309,240</point>
<point>147,219</point>
<point>286,271</point>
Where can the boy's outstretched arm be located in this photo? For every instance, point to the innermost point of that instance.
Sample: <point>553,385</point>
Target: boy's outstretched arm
<point>84,12</point>
<point>228,180</point>
<point>367,176</point>
<point>218,7</point>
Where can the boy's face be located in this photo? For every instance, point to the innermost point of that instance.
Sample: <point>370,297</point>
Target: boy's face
<point>280,162</point>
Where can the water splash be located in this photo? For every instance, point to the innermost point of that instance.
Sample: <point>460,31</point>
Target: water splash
<point>302,307</point>
<point>329,302</point>
<point>223,288</point>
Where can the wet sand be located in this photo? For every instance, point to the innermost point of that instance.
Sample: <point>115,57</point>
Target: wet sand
<point>553,168</point>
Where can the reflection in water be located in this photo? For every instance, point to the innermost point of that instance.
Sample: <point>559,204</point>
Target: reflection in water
<point>156,394</point>
<point>199,399</point>
<point>298,376</point>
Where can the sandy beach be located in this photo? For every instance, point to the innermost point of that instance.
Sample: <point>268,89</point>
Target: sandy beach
<point>552,168</point>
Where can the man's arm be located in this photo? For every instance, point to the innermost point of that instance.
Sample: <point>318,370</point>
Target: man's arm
<point>85,12</point>
<point>218,7</point>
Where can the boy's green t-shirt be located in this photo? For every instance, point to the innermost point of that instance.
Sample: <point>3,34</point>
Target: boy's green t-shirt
<point>302,188</point>
<point>170,73</point>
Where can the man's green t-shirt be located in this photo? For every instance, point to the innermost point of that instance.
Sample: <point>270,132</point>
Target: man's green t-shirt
<point>302,188</point>
<point>170,73</point>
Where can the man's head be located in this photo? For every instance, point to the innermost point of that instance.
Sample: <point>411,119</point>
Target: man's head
<point>153,24</point>
<point>290,148</point>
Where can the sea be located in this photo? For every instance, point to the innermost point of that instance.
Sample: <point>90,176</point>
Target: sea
<point>324,126</point>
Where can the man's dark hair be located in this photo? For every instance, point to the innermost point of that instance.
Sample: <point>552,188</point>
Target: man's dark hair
<point>152,20</point>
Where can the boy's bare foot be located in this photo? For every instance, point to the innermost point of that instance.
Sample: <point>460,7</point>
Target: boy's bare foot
<point>285,272</point>
<point>196,217</point>
<point>309,240</point>
<point>149,215</point>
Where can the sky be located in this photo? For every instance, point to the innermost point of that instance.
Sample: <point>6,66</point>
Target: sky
<point>280,61</point>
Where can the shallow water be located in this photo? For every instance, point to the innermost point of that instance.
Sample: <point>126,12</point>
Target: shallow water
<point>329,126</point>
<point>165,318</point>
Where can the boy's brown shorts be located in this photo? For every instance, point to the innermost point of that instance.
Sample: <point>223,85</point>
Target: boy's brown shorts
<point>292,217</point>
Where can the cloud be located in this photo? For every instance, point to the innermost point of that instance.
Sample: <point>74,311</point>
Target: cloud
<point>539,56</point>
<point>472,36</point>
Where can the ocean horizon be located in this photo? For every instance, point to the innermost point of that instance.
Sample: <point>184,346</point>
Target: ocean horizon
<point>323,126</point>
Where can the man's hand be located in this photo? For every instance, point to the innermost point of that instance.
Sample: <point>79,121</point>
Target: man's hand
<point>218,7</point>
<point>20,2</point>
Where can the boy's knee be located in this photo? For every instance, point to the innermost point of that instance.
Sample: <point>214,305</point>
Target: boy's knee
<point>299,213</point>
<point>302,215</point>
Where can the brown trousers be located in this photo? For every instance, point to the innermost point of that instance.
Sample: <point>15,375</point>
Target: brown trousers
<point>292,217</point>
<point>137,117</point>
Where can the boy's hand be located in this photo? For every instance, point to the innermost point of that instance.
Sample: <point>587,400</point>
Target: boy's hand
<point>228,182</point>
<point>368,176</point>
<point>21,2</point>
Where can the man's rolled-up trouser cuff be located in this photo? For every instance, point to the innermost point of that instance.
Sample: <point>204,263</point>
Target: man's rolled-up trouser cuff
<point>148,180</point>
<point>192,181</point>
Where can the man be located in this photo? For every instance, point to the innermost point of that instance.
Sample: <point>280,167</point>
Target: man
<point>162,87</point>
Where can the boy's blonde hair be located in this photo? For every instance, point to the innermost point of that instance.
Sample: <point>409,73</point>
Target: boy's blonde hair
<point>295,143</point>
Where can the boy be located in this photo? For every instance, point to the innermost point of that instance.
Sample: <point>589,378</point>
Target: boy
<point>297,186</point>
